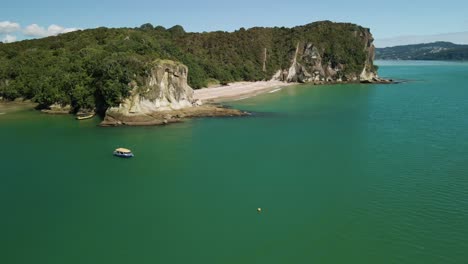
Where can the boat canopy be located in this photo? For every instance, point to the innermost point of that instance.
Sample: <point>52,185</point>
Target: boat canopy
<point>123,150</point>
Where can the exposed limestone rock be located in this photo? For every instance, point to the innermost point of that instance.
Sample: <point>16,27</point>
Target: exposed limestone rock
<point>165,97</point>
<point>164,88</point>
<point>278,76</point>
<point>308,66</point>
<point>198,103</point>
<point>295,68</point>
<point>58,109</point>
<point>165,117</point>
<point>368,72</point>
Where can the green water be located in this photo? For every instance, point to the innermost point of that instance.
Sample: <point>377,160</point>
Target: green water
<point>344,174</point>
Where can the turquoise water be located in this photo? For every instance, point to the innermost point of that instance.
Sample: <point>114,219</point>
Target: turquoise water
<point>344,174</point>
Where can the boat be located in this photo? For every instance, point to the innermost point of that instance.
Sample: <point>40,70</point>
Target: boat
<point>84,116</point>
<point>123,153</point>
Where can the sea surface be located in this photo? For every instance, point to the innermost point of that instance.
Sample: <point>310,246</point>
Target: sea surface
<point>343,174</point>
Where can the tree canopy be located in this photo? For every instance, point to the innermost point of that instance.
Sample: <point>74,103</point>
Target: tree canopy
<point>92,68</point>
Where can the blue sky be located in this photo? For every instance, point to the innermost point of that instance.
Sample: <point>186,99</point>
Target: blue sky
<point>389,20</point>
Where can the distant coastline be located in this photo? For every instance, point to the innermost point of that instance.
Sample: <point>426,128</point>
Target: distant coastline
<point>441,51</point>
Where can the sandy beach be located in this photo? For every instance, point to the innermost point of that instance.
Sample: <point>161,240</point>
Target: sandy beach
<point>238,90</point>
<point>8,107</point>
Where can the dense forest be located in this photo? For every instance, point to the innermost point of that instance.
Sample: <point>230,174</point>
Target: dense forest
<point>91,69</point>
<point>428,51</point>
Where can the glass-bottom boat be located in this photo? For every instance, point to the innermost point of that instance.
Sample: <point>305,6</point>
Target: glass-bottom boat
<point>123,152</point>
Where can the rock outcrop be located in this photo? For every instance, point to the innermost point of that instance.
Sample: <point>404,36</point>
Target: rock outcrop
<point>164,97</point>
<point>309,66</point>
<point>164,88</point>
<point>58,109</point>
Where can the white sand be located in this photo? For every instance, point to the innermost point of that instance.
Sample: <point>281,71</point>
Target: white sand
<point>7,107</point>
<point>238,90</point>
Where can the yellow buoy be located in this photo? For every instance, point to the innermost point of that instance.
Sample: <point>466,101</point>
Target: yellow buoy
<point>259,210</point>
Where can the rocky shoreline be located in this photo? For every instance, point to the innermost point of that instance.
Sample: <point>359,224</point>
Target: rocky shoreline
<point>208,99</point>
<point>205,103</point>
<point>170,116</point>
<point>163,98</point>
<point>162,95</point>
<point>154,90</point>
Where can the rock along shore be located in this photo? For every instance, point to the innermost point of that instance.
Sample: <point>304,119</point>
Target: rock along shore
<point>170,116</point>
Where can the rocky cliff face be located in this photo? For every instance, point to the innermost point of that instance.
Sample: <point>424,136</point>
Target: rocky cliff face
<point>368,73</point>
<point>165,88</point>
<point>309,66</point>
<point>165,97</point>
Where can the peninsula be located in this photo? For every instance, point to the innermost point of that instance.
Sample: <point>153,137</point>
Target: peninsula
<point>440,50</point>
<point>147,75</point>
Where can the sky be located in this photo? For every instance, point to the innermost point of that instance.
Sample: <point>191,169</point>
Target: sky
<point>391,22</point>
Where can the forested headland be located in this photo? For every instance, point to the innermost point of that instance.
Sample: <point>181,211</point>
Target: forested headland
<point>91,69</point>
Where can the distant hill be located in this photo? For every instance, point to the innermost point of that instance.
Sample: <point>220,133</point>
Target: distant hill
<point>429,51</point>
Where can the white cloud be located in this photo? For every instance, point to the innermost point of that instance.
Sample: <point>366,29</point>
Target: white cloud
<point>8,27</point>
<point>35,30</point>
<point>9,38</point>
<point>457,38</point>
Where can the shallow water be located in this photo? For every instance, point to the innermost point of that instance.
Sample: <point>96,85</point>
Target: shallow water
<point>344,174</point>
